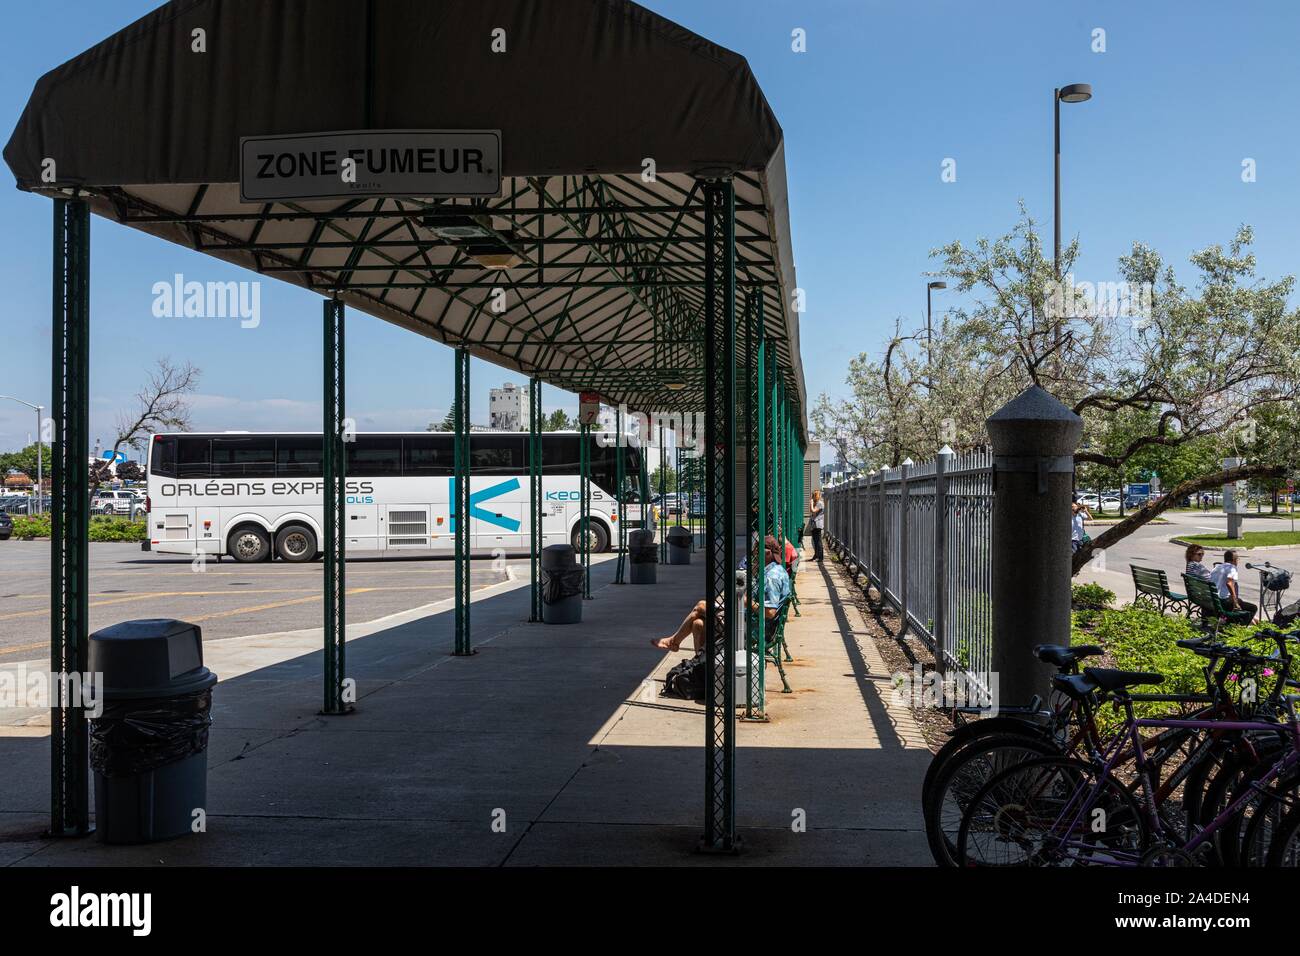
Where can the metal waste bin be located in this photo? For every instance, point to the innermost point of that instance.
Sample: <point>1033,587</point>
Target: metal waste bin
<point>679,545</point>
<point>562,580</point>
<point>149,743</point>
<point>643,557</point>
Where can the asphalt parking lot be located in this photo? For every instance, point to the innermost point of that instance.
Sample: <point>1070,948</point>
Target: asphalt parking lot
<point>227,599</point>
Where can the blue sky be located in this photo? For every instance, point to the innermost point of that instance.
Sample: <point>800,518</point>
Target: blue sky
<point>884,94</point>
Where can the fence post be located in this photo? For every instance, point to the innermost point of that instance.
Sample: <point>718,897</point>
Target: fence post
<point>903,569</point>
<point>940,625</point>
<point>1034,438</point>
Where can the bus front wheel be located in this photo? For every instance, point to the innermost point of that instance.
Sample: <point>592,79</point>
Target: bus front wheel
<point>295,542</point>
<point>597,537</point>
<point>249,544</point>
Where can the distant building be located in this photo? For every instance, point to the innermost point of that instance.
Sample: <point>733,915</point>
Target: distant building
<point>509,409</point>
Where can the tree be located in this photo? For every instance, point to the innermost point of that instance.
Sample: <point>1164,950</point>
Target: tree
<point>24,461</point>
<point>1162,375</point>
<point>161,405</point>
<point>670,480</point>
<point>448,423</point>
<point>558,421</point>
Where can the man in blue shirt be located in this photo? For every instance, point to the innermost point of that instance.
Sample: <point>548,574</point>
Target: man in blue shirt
<point>776,581</point>
<point>776,591</point>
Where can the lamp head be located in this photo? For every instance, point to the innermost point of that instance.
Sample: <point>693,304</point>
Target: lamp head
<point>1075,93</point>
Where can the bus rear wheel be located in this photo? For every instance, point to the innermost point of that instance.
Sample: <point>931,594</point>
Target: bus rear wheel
<point>249,544</point>
<point>597,537</point>
<point>295,542</point>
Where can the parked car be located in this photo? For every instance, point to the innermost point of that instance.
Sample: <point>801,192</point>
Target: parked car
<point>1107,503</point>
<point>127,504</point>
<point>6,526</point>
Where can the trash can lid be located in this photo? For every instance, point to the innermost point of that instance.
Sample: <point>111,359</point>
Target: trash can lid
<point>559,556</point>
<point>678,532</point>
<point>158,657</point>
<point>640,537</point>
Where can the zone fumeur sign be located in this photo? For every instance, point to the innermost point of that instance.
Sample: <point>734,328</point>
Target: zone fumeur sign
<point>397,162</point>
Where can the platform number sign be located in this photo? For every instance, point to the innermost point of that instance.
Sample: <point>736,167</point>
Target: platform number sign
<point>588,408</point>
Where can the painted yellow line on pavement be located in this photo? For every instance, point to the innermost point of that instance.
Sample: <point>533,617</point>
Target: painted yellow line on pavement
<point>25,647</point>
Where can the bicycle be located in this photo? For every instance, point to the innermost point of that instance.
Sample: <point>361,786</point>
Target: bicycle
<point>1062,810</point>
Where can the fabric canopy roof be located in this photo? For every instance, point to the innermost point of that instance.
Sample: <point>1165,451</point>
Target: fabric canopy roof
<point>147,126</point>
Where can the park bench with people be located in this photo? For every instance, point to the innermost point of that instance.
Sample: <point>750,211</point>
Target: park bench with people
<point>1204,595</point>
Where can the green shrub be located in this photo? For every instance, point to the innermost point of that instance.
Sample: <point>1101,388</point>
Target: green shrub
<point>1091,597</point>
<point>102,528</point>
<point>107,528</point>
<point>35,526</point>
<point>1140,639</point>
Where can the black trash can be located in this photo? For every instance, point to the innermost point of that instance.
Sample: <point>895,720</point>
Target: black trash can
<point>679,545</point>
<point>149,745</point>
<point>643,556</point>
<point>562,581</point>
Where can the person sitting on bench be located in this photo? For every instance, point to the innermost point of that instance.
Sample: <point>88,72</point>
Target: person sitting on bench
<point>1195,568</point>
<point>776,591</point>
<point>1225,576</point>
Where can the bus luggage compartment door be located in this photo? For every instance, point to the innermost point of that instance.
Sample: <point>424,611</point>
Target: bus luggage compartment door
<point>362,528</point>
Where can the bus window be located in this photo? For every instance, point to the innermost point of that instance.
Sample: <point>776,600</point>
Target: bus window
<point>193,458</point>
<point>163,460</point>
<point>375,456</point>
<point>299,455</point>
<point>497,455</point>
<point>245,457</point>
<point>560,454</point>
<point>428,455</point>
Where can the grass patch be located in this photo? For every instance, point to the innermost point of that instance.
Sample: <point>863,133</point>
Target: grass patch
<point>1248,539</point>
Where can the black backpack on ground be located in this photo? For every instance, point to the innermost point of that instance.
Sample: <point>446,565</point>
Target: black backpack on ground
<point>686,680</point>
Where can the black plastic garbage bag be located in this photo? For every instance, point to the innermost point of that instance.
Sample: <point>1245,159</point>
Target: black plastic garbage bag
<point>138,736</point>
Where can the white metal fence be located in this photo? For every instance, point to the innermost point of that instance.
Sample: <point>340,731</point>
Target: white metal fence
<point>922,534</point>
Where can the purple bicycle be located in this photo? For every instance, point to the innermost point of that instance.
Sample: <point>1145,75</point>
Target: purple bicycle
<point>1068,811</point>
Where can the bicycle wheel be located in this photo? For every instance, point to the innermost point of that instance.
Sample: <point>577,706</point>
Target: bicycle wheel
<point>1260,820</point>
<point>972,733</point>
<point>1284,849</point>
<point>1237,772</point>
<point>1051,811</point>
<point>962,776</point>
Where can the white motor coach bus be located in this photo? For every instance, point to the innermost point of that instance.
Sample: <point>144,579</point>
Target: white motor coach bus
<point>257,495</point>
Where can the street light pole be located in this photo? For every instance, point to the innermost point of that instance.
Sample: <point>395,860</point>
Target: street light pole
<point>1074,93</point>
<point>929,334</point>
<point>40,452</point>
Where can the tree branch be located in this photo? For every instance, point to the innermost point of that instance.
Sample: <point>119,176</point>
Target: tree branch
<point>1137,519</point>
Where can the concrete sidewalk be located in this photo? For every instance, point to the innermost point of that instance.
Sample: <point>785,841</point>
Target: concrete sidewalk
<point>550,746</point>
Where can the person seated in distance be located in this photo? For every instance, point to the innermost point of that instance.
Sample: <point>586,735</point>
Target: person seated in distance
<point>776,591</point>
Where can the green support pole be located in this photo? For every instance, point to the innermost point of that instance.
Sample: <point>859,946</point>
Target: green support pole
<point>779,454</point>
<point>643,479</point>
<point>719,545</point>
<point>620,467</point>
<point>334,470</point>
<point>662,532</point>
<point>461,520</point>
<point>584,470</point>
<point>70,517</point>
<point>535,514</point>
<point>754,612</point>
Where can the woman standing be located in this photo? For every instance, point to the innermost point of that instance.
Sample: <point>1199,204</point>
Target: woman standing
<point>818,513</point>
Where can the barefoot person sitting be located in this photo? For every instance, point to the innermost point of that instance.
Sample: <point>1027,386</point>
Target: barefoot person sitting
<point>776,591</point>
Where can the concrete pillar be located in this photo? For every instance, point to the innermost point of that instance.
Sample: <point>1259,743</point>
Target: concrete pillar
<point>1034,438</point>
<point>1231,506</point>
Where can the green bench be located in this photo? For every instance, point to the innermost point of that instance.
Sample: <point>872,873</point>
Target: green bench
<point>1152,590</point>
<point>1204,595</point>
<point>774,642</point>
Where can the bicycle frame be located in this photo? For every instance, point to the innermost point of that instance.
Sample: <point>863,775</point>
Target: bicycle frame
<point>1112,759</point>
